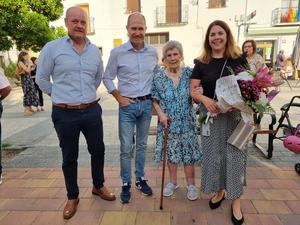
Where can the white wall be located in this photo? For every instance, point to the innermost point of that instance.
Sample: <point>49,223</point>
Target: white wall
<point>110,21</point>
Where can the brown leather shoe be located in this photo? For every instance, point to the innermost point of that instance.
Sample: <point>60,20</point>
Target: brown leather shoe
<point>70,208</point>
<point>104,193</point>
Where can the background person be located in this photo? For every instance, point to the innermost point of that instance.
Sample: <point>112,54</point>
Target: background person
<point>173,104</point>
<point>24,68</point>
<point>223,165</point>
<point>75,105</point>
<point>34,61</point>
<point>280,60</point>
<point>255,61</point>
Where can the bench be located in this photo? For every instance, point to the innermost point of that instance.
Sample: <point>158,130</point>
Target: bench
<point>268,153</point>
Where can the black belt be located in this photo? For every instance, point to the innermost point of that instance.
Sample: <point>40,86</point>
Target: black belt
<point>141,98</point>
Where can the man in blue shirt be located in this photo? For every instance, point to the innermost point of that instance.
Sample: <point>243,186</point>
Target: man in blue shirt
<point>76,68</point>
<point>133,63</point>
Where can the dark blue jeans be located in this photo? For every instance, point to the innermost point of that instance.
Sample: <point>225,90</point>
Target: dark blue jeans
<point>68,124</point>
<point>1,110</point>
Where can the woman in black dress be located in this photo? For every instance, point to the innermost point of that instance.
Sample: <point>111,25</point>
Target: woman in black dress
<point>223,166</point>
<point>38,90</point>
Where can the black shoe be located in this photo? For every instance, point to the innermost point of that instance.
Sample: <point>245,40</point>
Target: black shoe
<point>142,185</point>
<point>216,204</point>
<point>126,193</point>
<point>234,220</point>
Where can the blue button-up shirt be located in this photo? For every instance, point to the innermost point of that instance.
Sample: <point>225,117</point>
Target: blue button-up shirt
<point>133,68</point>
<point>74,78</point>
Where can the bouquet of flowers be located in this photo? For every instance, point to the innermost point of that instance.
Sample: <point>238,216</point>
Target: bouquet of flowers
<point>255,89</point>
<point>248,92</point>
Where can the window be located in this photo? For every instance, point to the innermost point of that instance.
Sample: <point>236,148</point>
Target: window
<point>173,11</point>
<point>216,4</point>
<point>157,38</point>
<point>133,6</point>
<point>85,7</point>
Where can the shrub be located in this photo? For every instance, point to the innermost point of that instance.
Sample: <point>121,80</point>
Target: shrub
<point>10,71</point>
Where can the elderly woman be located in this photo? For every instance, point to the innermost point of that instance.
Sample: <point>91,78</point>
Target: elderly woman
<point>255,61</point>
<point>173,104</point>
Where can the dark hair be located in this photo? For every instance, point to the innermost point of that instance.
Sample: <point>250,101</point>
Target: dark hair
<point>33,59</point>
<point>231,50</point>
<point>21,56</point>
<point>253,43</point>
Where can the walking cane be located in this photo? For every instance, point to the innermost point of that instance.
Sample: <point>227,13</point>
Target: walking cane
<point>164,166</point>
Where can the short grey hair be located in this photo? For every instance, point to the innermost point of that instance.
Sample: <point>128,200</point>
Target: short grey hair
<point>171,45</point>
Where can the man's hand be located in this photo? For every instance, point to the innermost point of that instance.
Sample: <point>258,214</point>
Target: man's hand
<point>123,101</point>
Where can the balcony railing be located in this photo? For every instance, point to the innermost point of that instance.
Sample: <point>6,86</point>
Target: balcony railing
<point>171,16</point>
<point>286,16</point>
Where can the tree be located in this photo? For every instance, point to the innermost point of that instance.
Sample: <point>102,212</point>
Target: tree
<point>25,23</point>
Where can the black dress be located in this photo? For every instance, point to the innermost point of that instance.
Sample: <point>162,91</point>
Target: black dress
<point>39,91</point>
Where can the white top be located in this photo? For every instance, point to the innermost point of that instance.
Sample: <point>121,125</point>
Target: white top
<point>3,79</point>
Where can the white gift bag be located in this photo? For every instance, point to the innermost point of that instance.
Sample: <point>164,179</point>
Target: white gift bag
<point>241,135</point>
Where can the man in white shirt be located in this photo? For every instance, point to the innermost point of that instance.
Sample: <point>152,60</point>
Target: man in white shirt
<point>5,89</point>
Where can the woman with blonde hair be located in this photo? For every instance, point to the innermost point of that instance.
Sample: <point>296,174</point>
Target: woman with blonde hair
<point>223,165</point>
<point>24,68</point>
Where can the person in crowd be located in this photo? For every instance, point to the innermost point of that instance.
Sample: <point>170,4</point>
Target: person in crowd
<point>280,60</point>
<point>34,61</point>
<point>5,89</point>
<point>133,63</point>
<point>76,69</point>
<point>223,165</point>
<point>255,61</point>
<point>23,69</point>
<point>173,104</point>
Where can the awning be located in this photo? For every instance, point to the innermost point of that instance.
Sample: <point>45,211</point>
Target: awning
<point>264,31</point>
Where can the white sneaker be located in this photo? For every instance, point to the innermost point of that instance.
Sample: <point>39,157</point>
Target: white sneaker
<point>169,189</point>
<point>1,179</point>
<point>192,193</point>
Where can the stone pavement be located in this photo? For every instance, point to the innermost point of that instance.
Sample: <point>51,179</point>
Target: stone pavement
<point>33,189</point>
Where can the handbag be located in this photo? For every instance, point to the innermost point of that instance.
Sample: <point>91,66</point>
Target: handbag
<point>241,134</point>
<point>292,142</point>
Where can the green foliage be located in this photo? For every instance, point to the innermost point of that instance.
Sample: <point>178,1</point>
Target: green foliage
<point>59,32</point>
<point>5,145</point>
<point>10,70</point>
<point>26,23</point>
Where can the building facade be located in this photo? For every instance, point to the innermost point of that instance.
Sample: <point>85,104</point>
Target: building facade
<point>272,23</point>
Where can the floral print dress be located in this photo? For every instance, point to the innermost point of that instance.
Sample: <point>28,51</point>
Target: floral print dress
<point>183,143</point>
<point>30,97</point>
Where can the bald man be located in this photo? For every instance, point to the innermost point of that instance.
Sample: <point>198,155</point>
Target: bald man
<point>76,68</point>
<point>133,63</point>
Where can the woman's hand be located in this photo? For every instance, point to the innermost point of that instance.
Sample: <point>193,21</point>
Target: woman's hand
<point>164,119</point>
<point>211,105</point>
<point>197,91</point>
